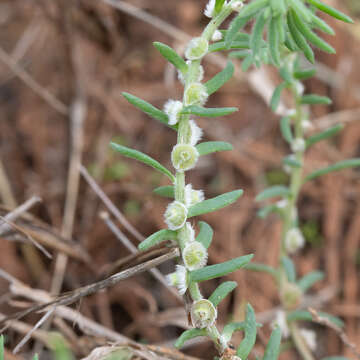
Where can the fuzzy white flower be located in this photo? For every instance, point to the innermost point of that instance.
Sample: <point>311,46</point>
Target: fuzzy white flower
<point>172,109</point>
<point>282,204</point>
<point>237,5</point>
<point>310,338</point>
<point>299,87</point>
<point>192,196</point>
<point>181,76</point>
<point>298,144</point>
<point>195,93</point>
<point>209,9</point>
<point>194,255</point>
<point>290,112</point>
<point>195,133</point>
<point>203,313</point>
<point>280,320</point>
<point>294,240</point>
<point>196,48</point>
<point>184,157</point>
<point>178,279</point>
<point>306,125</point>
<point>217,35</point>
<point>175,215</point>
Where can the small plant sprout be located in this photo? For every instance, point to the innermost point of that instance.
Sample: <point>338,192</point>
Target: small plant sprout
<point>187,202</point>
<point>291,28</point>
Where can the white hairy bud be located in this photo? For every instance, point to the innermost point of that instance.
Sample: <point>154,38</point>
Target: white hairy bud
<point>237,5</point>
<point>280,320</point>
<point>178,279</point>
<point>197,48</point>
<point>175,215</point>
<point>203,313</point>
<point>298,144</point>
<point>194,255</point>
<point>294,240</point>
<point>217,35</point>
<point>195,133</point>
<point>192,196</point>
<point>196,94</point>
<point>184,157</point>
<point>172,109</point>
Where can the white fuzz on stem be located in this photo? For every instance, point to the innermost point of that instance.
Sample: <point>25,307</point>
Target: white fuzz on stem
<point>294,240</point>
<point>178,279</point>
<point>195,133</point>
<point>298,144</point>
<point>209,9</point>
<point>194,255</point>
<point>306,125</point>
<point>172,109</point>
<point>310,338</point>
<point>217,35</point>
<point>280,320</point>
<point>192,196</point>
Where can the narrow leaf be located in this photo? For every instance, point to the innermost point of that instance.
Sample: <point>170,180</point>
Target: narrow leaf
<point>321,25</point>
<point>276,96</point>
<point>215,203</point>
<point>304,315</point>
<point>230,328</point>
<point>170,55</point>
<point>345,164</point>
<point>323,135</point>
<point>307,281</point>
<point>241,54</point>
<point>36,357</point>
<point>278,7</point>
<point>267,210</point>
<point>313,99</point>
<point>248,342</point>
<point>251,9</point>
<point>235,26</point>
<point>205,235</point>
<point>208,112</point>
<point>330,11</point>
<point>289,268</point>
<point>137,155</point>
<point>218,5</point>
<point>157,238</point>
<point>299,39</point>
<point>261,268</point>
<point>165,191</point>
<point>187,335</point>
<point>220,78</point>
<point>210,147</point>
<point>2,347</point>
<point>304,74</point>
<point>219,270</point>
<point>277,190</point>
<point>273,347</point>
<point>221,45</point>
<point>257,34</point>
<point>148,109</point>
<point>285,129</point>
<point>222,291</point>
<point>311,36</point>
<point>299,8</point>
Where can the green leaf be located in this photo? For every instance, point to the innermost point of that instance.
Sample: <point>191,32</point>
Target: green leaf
<point>205,235</point>
<point>323,135</point>
<point>219,270</point>
<point>304,315</point>
<point>304,74</point>
<point>285,129</point>
<point>299,8</point>
<point>36,357</point>
<point>170,55</point>
<point>278,7</point>
<point>241,54</point>
<point>248,61</point>
<point>321,25</point>
<point>277,190</point>
<point>222,291</point>
<point>157,238</point>
<point>148,109</point>
<point>345,164</point>
<point>273,347</point>
<point>235,26</point>
<point>267,210</point>
<point>290,160</point>
<point>210,147</point>
<point>218,5</point>
<point>220,45</point>
<point>248,342</point>
<point>220,78</point>
<point>276,96</point>
<point>165,191</point>
<point>215,203</point>
<point>230,328</point>
<point>2,351</point>
<point>311,36</point>
<point>313,99</point>
<point>299,39</point>
<point>289,268</point>
<point>307,281</point>
<point>251,9</point>
<point>257,34</point>
<point>330,11</point>
<point>137,155</point>
<point>261,268</point>
<point>208,112</point>
<point>187,335</point>
<point>274,40</point>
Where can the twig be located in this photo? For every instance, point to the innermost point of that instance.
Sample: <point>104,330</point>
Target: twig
<point>33,84</point>
<point>5,188</point>
<point>326,322</point>
<point>340,117</point>
<point>109,204</point>
<point>13,215</point>
<point>128,244</point>
<point>77,294</point>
